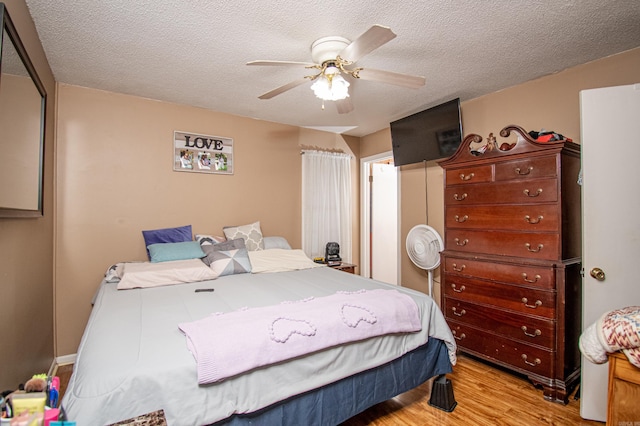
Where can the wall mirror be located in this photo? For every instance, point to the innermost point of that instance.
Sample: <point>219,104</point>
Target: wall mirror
<point>22,115</point>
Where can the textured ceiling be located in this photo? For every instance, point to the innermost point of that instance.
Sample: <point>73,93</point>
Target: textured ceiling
<point>194,52</point>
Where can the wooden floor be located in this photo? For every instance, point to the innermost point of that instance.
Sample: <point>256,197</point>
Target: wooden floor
<point>64,373</point>
<point>485,395</point>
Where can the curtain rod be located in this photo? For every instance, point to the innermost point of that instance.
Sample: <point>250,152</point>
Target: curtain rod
<point>337,153</point>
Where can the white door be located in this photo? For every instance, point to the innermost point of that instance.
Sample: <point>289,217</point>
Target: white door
<point>384,223</point>
<point>610,127</point>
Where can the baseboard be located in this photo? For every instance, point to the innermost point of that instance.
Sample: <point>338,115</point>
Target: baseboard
<point>61,360</point>
<point>66,359</point>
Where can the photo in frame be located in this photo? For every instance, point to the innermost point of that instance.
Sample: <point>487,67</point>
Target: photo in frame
<point>198,153</point>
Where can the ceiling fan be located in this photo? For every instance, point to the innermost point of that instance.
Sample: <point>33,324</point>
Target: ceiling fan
<point>334,58</point>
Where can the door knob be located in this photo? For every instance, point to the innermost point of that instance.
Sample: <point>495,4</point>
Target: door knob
<point>597,273</point>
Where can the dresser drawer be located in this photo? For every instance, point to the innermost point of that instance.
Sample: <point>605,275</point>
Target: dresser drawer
<point>528,168</point>
<point>515,192</point>
<point>527,329</point>
<point>525,300</point>
<point>475,174</point>
<point>503,350</point>
<point>533,276</point>
<point>505,243</point>
<point>527,217</point>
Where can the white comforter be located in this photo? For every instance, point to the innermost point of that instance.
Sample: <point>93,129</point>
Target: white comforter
<point>133,359</point>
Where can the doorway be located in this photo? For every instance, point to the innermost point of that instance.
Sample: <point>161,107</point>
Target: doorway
<point>380,189</point>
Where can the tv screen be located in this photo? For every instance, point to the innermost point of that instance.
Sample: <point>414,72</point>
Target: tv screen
<point>431,134</point>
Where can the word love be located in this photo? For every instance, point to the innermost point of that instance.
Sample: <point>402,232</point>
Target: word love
<point>203,143</point>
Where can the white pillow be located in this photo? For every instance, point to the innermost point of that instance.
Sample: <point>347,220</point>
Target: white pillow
<point>280,260</point>
<point>147,274</point>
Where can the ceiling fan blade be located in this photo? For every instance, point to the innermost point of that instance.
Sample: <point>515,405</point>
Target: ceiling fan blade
<point>367,42</point>
<point>405,80</point>
<point>282,63</point>
<point>344,106</point>
<point>282,89</point>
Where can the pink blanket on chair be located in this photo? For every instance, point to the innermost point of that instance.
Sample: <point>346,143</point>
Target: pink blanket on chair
<point>227,344</point>
<point>617,330</point>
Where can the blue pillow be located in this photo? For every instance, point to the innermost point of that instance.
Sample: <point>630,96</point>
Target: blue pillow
<point>165,252</point>
<point>167,235</point>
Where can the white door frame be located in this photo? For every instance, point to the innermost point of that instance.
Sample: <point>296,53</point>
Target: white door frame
<point>365,219</point>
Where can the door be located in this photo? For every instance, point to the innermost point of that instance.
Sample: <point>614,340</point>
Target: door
<point>610,127</point>
<point>384,223</point>
<point>379,218</point>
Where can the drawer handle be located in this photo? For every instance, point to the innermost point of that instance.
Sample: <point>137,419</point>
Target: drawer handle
<point>523,173</point>
<point>459,197</point>
<point>461,243</point>
<point>534,250</point>
<point>534,306</point>
<point>466,177</point>
<point>457,290</point>
<point>455,336</point>
<point>533,221</point>
<point>458,314</point>
<point>460,269</point>
<point>534,334</point>
<point>534,280</point>
<point>534,363</point>
<point>461,219</point>
<point>528,193</point>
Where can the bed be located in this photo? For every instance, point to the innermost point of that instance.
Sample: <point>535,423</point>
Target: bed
<point>134,359</point>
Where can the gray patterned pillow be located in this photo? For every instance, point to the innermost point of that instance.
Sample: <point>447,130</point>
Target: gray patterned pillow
<point>205,240</point>
<point>251,234</point>
<point>114,273</point>
<point>209,249</point>
<point>229,262</point>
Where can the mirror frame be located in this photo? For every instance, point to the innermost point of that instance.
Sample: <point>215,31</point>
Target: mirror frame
<point>14,38</point>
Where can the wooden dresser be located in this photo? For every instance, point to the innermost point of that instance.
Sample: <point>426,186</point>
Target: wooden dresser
<point>624,391</point>
<point>511,284</point>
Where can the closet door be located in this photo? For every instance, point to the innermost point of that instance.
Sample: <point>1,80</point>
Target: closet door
<point>610,128</point>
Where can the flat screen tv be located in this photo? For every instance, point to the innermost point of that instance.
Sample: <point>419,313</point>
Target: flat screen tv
<point>427,135</point>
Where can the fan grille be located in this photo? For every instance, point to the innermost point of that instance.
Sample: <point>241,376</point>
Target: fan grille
<point>424,246</point>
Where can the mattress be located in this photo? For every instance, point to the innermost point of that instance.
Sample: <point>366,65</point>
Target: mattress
<point>133,359</point>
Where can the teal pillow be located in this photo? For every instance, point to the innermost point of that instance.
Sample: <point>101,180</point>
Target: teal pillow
<point>165,252</point>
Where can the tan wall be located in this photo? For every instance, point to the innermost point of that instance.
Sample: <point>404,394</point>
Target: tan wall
<point>116,178</point>
<point>26,249</point>
<point>551,102</point>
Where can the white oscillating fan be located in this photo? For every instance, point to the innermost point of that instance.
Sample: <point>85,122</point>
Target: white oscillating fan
<point>424,245</point>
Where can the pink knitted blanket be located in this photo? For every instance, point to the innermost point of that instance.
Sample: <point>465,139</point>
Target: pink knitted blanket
<point>227,344</point>
<point>617,330</point>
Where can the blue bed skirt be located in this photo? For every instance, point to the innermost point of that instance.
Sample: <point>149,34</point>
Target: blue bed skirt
<point>336,402</point>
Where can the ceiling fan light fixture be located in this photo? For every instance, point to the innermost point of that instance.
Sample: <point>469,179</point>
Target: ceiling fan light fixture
<point>331,69</point>
<point>331,86</point>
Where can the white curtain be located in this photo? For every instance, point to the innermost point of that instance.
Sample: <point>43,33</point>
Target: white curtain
<point>326,202</point>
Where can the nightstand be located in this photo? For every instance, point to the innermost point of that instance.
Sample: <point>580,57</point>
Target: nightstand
<point>624,391</point>
<point>346,267</point>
